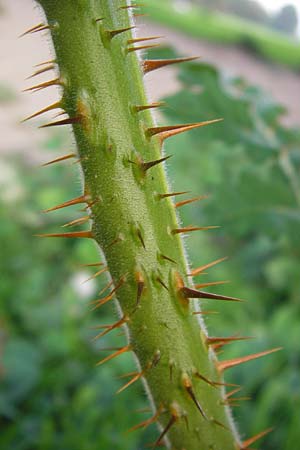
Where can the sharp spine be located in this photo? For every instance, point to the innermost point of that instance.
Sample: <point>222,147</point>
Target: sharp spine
<point>142,39</point>
<point>225,340</point>
<point>190,229</point>
<point>245,444</point>
<point>77,222</point>
<point>152,64</point>
<point>102,301</point>
<point>119,352</point>
<point>41,71</point>
<point>148,165</point>
<point>191,200</point>
<point>171,194</point>
<point>97,274</point>
<point>50,61</point>
<point>142,47</point>
<point>188,293</point>
<point>45,84</point>
<point>174,418</point>
<point>187,384</point>
<point>68,121</point>
<point>32,29</point>
<point>172,130</point>
<point>206,266</point>
<point>55,105</point>
<point>75,201</point>
<point>114,326</point>
<point>139,108</point>
<point>167,258</point>
<point>224,365</point>
<point>140,286</point>
<point>59,159</point>
<point>75,234</point>
<point>148,422</point>
<point>113,33</point>
<point>213,283</point>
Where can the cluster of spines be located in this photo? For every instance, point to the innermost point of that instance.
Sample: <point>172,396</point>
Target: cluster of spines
<point>184,293</point>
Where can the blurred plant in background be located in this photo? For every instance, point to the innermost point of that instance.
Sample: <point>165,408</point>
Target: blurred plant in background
<point>285,20</point>
<point>51,395</point>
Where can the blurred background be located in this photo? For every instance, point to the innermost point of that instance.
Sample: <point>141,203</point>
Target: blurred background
<point>51,394</point>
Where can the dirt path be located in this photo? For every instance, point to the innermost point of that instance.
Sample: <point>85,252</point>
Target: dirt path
<point>18,56</point>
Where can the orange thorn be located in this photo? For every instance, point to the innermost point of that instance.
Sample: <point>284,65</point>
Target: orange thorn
<point>100,302</point>
<point>97,274</point>
<point>191,200</point>
<point>248,442</point>
<point>106,287</point>
<point>190,228</point>
<point>77,234</point>
<point>192,293</point>
<point>172,194</point>
<point>75,201</point>
<point>42,111</point>
<point>140,286</point>
<point>225,340</point>
<point>38,87</point>
<point>40,71</point>
<point>113,33</point>
<point>50,61</point>
<point>212,383</point>
<point>130,382</point>
<point>147,165</point>
<point>59,159</point>
<point>109,328</point>
<point>187,384</point>
<point>173,130</point>
<point>224,365</point>
<point>142,47</point>
<point>43,28</point>
<point>206,266</point>
<point>142,39</point>
<point>173,419</point>
<point>32,29</point>
<point>213,283</point>
<point>206,380</point>
<point>148,422</point>
<point>68,121</point>
<point>124,349</point>
<point>139,108</point>
<point>234,391</point>
<point>152,64</point>
<point>235,401</point>
<point>77,222</point>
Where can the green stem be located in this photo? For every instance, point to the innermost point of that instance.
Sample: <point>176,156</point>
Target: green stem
<point>102,84</point>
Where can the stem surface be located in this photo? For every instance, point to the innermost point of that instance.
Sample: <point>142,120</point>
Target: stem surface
<point>102,85</point>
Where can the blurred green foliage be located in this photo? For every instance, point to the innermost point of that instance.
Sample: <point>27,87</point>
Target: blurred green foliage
<point>214,26</point>
<point>51,394</point>
<point>249,165</point>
